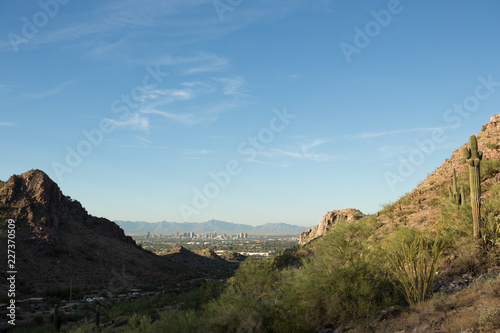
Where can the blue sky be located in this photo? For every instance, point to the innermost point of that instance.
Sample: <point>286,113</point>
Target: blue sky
<point>244,111</point>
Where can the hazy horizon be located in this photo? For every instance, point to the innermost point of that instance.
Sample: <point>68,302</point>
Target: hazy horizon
<point>247,112</point>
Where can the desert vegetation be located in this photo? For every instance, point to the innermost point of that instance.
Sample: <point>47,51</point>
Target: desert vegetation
<point>356,277</point>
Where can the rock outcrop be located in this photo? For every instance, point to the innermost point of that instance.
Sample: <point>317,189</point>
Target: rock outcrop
<point>58,245</point>
<point>328,221</point>
<point>35,199</point>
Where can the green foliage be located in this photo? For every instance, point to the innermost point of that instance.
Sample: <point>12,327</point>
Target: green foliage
<point>491,223</point>
<point>140,324</point>
<point>180,322</point>
<point>441,302</point>
<point>196,298</point>
<point>490,316</point>
<point>489,168</point>
<point>344,281</point>
<point>33,328</point>
<point>414,259</point>
<point>248,301</point>
<point>286,259</point>
<point>492,145</point>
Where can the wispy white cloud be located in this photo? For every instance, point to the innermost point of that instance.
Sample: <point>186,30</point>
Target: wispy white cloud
<point>166,96</point>
<point>102,48</point>
<point>202,62</point>
<point>8,123</point>
<point>134,121</point>
<point>185,22</point>
<point>210,64</point>
<point>143,146</point>
<point>49,92</point>
<point>184,118</point>
<point>304,151</point>
<point>200,92</point>
<point>142,139</point>
<point>367,135</point>
<point>115,16</point>
<point>231,85</point>
<point>6,87</point>
<point>197,152</point>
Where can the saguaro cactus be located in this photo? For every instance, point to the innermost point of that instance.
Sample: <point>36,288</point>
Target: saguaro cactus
<point>56,322</point>
<point>462,195</point>
<point>455,197</point>
<point>474,157</point>
<point>97,320</point>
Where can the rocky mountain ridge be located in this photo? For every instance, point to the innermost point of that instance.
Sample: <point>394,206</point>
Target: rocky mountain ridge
<point>59,244</point>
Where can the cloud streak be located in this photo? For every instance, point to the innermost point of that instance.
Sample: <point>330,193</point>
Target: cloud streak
<point>368,135</point>
<point>134,121</point>
<point>49,92</point>
<point>7,124</point>
<point>301,151</point>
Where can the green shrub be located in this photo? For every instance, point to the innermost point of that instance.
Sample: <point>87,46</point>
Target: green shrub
<point>249,300</point>
<point>492,145</point>
<point>441,302</point>
<point>140,323</point>
<point>489,168</point>
<point>491,222</point>
<point>490,316</point>
<point>180,322</point>
<point>414,260</point>
<point>344,281</point>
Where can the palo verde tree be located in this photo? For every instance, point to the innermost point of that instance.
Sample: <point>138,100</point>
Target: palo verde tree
<point>474,157</point>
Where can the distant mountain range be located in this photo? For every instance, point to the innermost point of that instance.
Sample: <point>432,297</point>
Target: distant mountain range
<point>139,228</point>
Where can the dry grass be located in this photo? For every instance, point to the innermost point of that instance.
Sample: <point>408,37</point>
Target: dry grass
<point>476,309</point>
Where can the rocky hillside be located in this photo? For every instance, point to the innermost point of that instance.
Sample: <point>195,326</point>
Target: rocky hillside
<point>328,221</point>
<point>58,244</point>
<point>421,207</point>
<point>467,285</point>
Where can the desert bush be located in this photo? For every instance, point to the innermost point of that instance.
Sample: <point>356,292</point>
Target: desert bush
<point>344,281</point>
<point>180,322</point>
<point>414,259</point>
<point>286,259</point>
<point>492,145</point>
<point>490,316</point>
<point>489,168</point>
<point>249,300</point>
<point>441,302</point>
<point>33,328</point>
<point>240,312</point>
<point>491,221</point>
<point>139,323</point>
